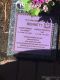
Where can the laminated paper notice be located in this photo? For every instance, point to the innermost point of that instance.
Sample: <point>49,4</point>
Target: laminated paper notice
<point>31,34</point>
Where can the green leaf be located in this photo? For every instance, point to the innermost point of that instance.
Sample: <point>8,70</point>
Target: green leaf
<point>27,7</point>
<point>35,12</point>
<point>25,1</point>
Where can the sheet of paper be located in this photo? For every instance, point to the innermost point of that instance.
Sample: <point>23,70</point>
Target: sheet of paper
<point>31,34</point>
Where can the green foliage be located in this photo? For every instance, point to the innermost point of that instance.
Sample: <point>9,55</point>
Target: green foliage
<point>27,8</point>
<point>25,1</point>
<point>35,12</point>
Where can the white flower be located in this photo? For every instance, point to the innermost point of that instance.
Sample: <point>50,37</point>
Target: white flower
<point>37,5</point>
<point>47,1</point>
<point>53,4</point>
<point>45,8</point>
<point>32,5</point>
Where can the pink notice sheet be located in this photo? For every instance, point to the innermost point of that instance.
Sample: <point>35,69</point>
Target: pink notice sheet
<point>31,34</point>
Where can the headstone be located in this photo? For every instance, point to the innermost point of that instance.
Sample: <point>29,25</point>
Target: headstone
<point>29,33</point>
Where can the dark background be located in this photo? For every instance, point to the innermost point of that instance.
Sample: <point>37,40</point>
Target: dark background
<point>29,70</point>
